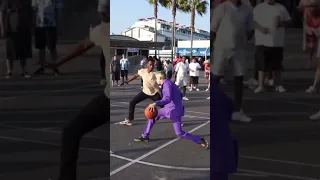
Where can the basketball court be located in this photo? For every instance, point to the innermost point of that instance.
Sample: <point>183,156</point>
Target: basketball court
<point>165,156</point>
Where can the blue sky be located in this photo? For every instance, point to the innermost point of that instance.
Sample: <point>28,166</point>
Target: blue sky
<point>125,12</point>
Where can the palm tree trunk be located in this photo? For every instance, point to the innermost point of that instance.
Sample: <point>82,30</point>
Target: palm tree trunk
<point>173,40</point>
<point>193,15</point>
<point>155,6</point>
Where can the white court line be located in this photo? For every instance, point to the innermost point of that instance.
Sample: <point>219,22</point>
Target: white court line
<point>281,161</point>
<point>286,176</point>
<point>46,130</point>
<point>105,151</point>
<point>50,91</point>
<point>185,111</point>
<point>154,151</point>
<point>244,157</point>
<point>47,143</point>
<point>188,116</point>
<point>32,122</point>
<point>179,167</point>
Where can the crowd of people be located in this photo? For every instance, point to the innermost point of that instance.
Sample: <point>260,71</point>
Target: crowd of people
<point>18,24</point>
<point>237,23</point>
<point>181,70</point>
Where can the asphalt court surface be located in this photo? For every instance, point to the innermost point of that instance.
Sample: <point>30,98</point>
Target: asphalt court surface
<point>164,156</point>
<point>281,143</point>
<point>33,113</point>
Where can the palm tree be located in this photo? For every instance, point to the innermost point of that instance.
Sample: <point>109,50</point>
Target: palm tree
<point>155,4</point>
<point>194,6</point>
<point>173,4</point>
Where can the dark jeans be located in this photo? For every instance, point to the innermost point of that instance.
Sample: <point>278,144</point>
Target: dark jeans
<point>137,99</point>
<point>169,75</point>
<point>102,66</point>
<point>95,114</point>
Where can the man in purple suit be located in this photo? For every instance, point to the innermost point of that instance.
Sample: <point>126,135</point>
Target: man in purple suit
<point>173,109</point>
<point>224,154</point>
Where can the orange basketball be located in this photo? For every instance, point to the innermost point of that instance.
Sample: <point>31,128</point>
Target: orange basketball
<point>150,114</point>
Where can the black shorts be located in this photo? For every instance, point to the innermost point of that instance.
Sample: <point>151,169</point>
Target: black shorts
<point>18,46</point>
<point>45,37</point>
<point>194,80</point>
<point>124,73</point>
<point>268,58</point>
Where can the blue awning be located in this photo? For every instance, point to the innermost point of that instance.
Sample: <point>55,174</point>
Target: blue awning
<point>195,51</point>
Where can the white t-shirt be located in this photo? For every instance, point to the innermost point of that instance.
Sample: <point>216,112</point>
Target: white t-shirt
<point>231,24</point>
<point>266,15</point>
<point>100,36</point>
<point>194,66</point>
<point>182,69</point>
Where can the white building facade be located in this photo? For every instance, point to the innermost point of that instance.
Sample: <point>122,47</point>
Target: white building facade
<point>144,30</point>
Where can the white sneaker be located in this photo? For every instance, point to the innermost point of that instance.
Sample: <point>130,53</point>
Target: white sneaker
<point>208,98</point>
<point>311,89</point>
<point>207,89</point>
<point>190,89</point>
<point>126,122</point>
<point>259,89</point>
<point>240,116</point>
<point>197,89</point>
<point>185,98</point>
<point>280,89</point>
<point>315,116</point>
<point>251,82</point>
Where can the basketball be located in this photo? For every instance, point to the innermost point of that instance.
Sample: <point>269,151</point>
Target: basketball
<point>150,114</point>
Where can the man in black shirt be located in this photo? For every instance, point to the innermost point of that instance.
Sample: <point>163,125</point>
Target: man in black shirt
<point>16,28</point>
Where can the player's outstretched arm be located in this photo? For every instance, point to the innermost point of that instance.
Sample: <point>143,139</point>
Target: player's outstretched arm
<point>132,79</point>
<point>78,50</point>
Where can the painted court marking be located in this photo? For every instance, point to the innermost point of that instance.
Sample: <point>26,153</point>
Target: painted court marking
<point>154,151</point>
<point>196,112</point>
<point>45,130</point>
<point>246,172</point>
<point>50,91</point>
<point>189,116</point>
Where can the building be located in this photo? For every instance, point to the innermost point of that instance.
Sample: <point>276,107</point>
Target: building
<point>201,48</point>
<point>129,46</point>
<point>144,30</point>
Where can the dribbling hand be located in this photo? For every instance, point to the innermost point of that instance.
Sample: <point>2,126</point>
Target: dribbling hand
<point>152,106</point>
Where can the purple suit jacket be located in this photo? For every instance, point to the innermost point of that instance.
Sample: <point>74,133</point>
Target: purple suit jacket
<point>171,100</point>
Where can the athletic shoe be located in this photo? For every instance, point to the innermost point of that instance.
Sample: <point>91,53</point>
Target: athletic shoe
<point>185,98</point>
<point>315,117</point>
<point>207,89</point>
<point>197,89</point>
<point>280,89</point>
<point>259,89</point>
<point>251,82</point>
<point>126,122</point>
<point>240,116</point>
<point>9,75</point>
<point>208,98</point>
<point>311,89</point>
<point>204,143</point>
<point>25,75</point>
<point>141,139</point>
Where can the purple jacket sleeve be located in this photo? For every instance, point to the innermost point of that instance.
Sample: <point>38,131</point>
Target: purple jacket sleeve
<point>166,95</point>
